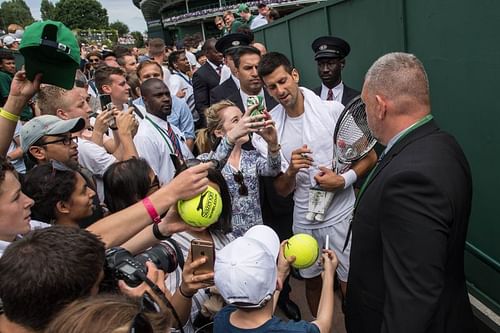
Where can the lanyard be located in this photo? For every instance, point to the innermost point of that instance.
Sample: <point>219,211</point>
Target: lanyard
<point>182,77</point>
<point>419,123</point>
<point>163,134</point>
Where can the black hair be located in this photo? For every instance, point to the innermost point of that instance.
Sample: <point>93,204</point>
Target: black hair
<point>125,183</point>
<point>271,61</point>
<point>241,51</point>
<point>6,54</point>
<point>102,76</point>
<point>245,29</point>
<point>174,56</point>
<point>224,224</point>
<point>5,166</point>
<point>46,270</point>
<point>48,186</point>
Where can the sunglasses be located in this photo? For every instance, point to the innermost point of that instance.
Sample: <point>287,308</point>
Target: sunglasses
<point>238,177</point>
<point>94,60</point>
<point>67,140</point>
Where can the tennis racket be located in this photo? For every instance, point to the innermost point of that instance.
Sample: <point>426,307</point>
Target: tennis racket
<point>352,138</point>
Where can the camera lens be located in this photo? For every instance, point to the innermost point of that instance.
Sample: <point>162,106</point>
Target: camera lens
<point>163,255</point>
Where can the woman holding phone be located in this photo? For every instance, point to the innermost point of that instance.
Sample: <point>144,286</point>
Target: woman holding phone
<point>241,168</point>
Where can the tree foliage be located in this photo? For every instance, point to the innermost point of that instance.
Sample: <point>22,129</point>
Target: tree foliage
<point>119,26</point>
<point>15,11</point>
<point>47,9</point>
<point>81,14</point>
<point>139,40</point>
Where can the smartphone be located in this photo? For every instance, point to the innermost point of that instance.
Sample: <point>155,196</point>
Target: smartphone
<point>201,248</point>
<point>105,100</point>
<point>106,106</point>
<point>256,100</point>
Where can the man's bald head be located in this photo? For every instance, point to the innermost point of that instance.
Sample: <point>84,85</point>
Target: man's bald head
<point>399,75</point>
<point>149,85</point>
<point>156,98</point>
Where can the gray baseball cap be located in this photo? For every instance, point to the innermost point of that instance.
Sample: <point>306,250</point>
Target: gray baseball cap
<point>41,126</point>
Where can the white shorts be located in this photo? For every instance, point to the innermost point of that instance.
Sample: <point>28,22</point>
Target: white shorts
<point>338,234</point>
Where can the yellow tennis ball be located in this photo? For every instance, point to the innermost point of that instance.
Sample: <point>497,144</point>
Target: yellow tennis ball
<point>202,210</point>
<point>305,249</point>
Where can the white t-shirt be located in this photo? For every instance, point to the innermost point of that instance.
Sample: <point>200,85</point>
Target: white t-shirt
<point>292,136</point>
<point>34,226</point>
<point>97,160</point>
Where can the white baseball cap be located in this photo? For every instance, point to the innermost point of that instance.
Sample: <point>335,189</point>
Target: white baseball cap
<point>9,40</point>
<point>245,269</point>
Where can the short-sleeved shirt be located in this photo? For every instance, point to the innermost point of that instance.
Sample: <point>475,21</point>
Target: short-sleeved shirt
<point>273,325</point>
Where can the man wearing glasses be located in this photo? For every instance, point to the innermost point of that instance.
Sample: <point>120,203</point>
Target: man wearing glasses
<point>48,138</point>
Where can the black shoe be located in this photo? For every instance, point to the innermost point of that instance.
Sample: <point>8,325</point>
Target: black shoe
<point>290,309</point>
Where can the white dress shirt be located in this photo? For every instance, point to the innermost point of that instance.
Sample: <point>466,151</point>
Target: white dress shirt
<point>156,148</point>
<point>338,92</point>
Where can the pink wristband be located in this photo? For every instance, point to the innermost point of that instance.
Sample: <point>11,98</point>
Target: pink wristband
<point>151,210</point>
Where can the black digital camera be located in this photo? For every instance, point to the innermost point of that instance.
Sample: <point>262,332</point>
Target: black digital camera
<point>122,265</point>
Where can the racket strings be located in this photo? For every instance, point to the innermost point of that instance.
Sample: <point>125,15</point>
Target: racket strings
<point>354,138</point>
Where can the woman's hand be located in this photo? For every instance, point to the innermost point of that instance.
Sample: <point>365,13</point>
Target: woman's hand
<point>172,223</point>
<point>247,124</point>
<point>191,282</point>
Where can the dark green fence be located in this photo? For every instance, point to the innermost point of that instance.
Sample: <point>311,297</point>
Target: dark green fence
<point>459,45</point>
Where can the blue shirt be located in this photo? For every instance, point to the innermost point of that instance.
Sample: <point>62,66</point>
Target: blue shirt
<point>273,325</point>
<point>180,117</point>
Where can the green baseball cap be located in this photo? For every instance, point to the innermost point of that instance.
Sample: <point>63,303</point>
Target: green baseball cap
<point>50,48</point>
<point>41,126</point>
<point>243,8</point>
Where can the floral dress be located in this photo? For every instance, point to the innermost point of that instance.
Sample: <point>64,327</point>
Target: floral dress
<point>246,208</point>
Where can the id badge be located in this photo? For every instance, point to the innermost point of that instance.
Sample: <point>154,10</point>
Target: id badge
<point>317,200</point>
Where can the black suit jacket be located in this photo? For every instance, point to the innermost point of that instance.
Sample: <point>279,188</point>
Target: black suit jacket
<point>204,80</point>
<point>223,91</point>
<point>348,94</point>
<point>408,238</point>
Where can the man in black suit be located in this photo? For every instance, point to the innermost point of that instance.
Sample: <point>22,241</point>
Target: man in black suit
<point>207,77</point>
<point>330,53</point>
<point>410,222</point>
<point>246,59</point>
<point>227,45</point>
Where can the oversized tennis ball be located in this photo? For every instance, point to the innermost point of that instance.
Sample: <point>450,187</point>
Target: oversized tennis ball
<point>201,210</point>
<point>305,249</point>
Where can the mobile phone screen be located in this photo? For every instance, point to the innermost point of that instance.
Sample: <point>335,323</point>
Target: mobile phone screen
<point>105,99</point>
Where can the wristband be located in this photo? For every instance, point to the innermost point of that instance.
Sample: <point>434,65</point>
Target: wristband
<point>183,294</point>
<point>9,116</point>
<point>157,233</point>
<point>151,210</point>
<point>350,178</point>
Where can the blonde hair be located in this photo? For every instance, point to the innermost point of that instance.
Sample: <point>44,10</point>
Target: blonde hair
<point>105,313</point>
<point>51,98</point>
<point>205,137</point>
